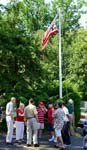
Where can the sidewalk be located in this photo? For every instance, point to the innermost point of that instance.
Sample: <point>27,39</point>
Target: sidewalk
<point>76,144</point>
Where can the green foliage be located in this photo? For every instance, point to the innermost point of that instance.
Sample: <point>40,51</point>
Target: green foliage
<point>76,70</point>
<point>3,126</point>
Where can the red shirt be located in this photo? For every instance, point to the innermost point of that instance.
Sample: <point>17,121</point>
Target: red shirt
<point>41,114</point>
<point>50,118</point>
<point>18,117</point>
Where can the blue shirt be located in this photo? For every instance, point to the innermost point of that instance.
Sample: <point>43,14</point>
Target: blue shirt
<point>85,123</point>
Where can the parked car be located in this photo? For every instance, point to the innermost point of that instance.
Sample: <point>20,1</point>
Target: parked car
<point>83,116</point>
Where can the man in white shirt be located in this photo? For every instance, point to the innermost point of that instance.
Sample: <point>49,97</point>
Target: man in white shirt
<point>10,120</point>
<point>66,128</point>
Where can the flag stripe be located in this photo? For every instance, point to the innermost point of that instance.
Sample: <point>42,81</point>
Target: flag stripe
<point>52,29</point>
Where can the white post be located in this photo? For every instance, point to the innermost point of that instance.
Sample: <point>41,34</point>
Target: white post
<point>60,58</point>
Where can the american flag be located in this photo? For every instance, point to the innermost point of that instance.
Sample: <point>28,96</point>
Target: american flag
<point>52,29</point>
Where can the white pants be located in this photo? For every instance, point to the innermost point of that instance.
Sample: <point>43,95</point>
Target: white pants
<point>9,129</point>
<point>32,131</point>
<point>19,130</point>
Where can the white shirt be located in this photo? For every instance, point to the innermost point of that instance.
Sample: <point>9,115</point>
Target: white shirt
<point>9,108</point>
<point>66,119</point>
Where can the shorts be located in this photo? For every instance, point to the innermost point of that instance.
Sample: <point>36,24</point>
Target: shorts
<point>58,132</point>
<point>50,127</point>
<point>40,125</point>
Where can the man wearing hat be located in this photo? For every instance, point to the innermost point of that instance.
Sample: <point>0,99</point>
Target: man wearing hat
<point>41,109</point>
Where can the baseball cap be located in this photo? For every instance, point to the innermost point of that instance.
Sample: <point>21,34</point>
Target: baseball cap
<point>40,103</point>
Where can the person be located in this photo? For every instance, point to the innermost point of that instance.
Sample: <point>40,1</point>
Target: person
<point>85,126</point>
<point>20,123</point>
<point>66,127</point>
<point>41,109</point>
<point>70,107</point>
<point>85,133</point>
<point>58,125</point>
<point>10,120</point>
<point>30,114</point>
<point>85,142</point>
<point>51,121</point>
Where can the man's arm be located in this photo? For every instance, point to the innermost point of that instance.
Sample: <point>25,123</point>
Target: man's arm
<point>36,113</point>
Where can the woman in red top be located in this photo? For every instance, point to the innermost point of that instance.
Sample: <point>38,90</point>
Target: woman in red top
<point>20,123</point>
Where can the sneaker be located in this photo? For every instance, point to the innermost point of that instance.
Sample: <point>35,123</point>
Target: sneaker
<point>52,139</point>
<point>18,141</point>
<point>36,145</point>
<point>55,140</point>
<point>62,148</point>
<point>56,146</point>
<point>7,143</point>
<point>22,140</point>
<point>29,145</point>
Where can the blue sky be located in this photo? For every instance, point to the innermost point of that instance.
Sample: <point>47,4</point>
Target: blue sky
<point>47,1</point>
<point>82,21</point>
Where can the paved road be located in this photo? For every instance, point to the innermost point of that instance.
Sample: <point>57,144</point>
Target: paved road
<point>44,144</point>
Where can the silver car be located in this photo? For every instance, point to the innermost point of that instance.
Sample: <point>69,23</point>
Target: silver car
<point>83,116</point>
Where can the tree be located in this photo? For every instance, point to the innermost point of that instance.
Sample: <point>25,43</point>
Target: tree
<point>76,70</point>
<point>20,55</point>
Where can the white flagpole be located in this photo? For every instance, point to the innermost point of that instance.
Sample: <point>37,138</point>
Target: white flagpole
<point>60,58</point>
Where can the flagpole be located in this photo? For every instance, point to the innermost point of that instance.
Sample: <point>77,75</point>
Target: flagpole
<point>60,58</point>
